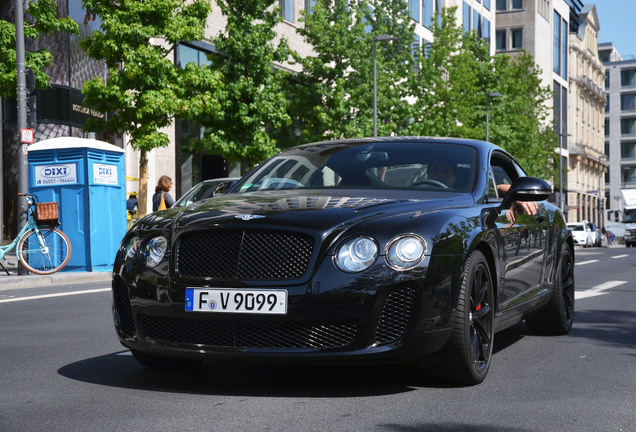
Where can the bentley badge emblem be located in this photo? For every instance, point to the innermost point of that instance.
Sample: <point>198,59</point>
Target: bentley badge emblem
<point>247,217</point>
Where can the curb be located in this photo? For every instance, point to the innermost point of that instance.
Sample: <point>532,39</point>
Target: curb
<point>33,281</point>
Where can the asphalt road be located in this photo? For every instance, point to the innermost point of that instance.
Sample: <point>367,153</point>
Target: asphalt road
<point>62,369</point>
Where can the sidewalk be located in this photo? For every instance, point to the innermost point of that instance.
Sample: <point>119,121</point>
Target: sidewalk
<point>13,280</point>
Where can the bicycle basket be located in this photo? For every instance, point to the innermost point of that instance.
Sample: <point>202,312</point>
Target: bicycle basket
<point>46,213</point>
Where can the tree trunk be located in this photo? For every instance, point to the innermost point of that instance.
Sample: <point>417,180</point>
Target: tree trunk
<point>143,184</point>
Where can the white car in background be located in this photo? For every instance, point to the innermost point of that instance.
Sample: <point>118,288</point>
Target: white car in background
<point>582,234</point>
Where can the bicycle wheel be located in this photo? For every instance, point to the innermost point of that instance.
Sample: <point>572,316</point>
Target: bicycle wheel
<point>46,260</point>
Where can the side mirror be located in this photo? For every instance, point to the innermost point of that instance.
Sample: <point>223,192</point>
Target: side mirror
<point>526,189</point>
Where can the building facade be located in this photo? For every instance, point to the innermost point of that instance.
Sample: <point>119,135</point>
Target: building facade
<point>587,162</point>
<point>620,123</point>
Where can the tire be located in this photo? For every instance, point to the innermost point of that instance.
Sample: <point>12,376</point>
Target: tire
<point>557,317</point>
<point>468,355</point>
<point>37,261</point>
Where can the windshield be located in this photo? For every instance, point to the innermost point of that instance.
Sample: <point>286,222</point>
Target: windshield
<point>576,227</point>
<point>415,166</point>
<point>629,215</point>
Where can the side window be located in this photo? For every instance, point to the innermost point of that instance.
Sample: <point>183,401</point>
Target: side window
<point>503,171</point>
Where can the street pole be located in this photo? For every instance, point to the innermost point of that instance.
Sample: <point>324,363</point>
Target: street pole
<point>23,184</point>
<point>488,96</point>
<point>380,38</point>
<point>561,136</point>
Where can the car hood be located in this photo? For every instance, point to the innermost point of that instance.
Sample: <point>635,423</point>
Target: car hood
<point>317,211</point>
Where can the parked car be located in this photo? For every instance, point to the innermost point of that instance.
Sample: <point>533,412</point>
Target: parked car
<point>582,233</point>
<point>351,251</point>
<point>205,189</point>
<point>596,234</point>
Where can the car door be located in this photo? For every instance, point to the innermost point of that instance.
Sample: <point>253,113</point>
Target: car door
<point>525,240</point>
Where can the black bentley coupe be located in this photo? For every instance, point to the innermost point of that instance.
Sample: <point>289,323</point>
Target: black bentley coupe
<point>392,250</point>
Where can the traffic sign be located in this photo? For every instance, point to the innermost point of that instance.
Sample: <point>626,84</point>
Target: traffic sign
<point>26,136</point>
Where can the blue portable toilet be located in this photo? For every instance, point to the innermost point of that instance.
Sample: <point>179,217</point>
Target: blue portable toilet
<point>87,178</point>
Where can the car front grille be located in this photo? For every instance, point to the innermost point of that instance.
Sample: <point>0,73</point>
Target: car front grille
<point>244,254</point>
<point>122,307</point>
<point>395,315</point>
<point>247,334</point>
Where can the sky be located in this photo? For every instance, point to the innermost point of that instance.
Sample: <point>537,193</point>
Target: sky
<point>617,19</point>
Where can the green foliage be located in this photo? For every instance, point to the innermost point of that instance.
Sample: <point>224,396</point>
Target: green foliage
<point>333,96</point>
<point>439,94</point>
<point>40,18</point>
<point>136,42</point>
<point>239,98</point>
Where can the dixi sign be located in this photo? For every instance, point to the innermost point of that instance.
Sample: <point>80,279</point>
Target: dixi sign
<point>104,174</point>
<point>46,175</point>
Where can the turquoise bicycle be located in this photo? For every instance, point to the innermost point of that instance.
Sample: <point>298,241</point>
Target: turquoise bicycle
<point>40,246</point>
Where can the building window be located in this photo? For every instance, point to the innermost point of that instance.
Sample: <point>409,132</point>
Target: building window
<point>467,12</point>
<point>487,4</point>
<point>564,49</point>
<point>500,36</point>
<point>287,9</point>
<point>501,5</point>
<point>628,150</point>
<point>517,38</point>
<point>628,126</point>
<point>516,4</point>
<point>628,174</point>
<point>556,59</point>
<point>187,54</point>
<point>628,102</point>
<point>607,79</point>
<point>607,100</point>
<point>485,33</point>
<point>414,10</point>
<point>607,127</point>
<point>628,77</point>
<point>309,6</point>
<point>428,12</point>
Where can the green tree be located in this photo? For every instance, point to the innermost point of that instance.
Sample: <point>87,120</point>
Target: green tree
<point>40,18</point>
<point>141,95</point>
<point>333,95</point>
<point>450,96</point>
<point>521,119</point>
<point>238,99</point>
<point>451,82</point>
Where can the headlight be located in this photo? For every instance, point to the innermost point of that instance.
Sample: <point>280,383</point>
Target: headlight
<point>132,247</point>
<point>155,250</point>
<point>405,252</point>
<point>356,254</point>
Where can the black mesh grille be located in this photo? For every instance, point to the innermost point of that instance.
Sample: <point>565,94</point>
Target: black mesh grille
<point>395,315</point>
<point>247,334</point>
<point>244,254</point>
<point>122,307</point>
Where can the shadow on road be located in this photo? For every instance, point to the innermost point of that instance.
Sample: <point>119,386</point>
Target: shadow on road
<point>611,327</point>
<point>122,370</point>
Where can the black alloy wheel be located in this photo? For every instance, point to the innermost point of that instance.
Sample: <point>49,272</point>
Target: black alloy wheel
<point>469,352</point>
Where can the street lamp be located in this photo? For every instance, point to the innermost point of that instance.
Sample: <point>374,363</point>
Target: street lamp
<point>377,38</point>
<point>561,135</point>
<point>488,96</point>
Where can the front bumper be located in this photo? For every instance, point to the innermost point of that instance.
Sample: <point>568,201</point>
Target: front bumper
<point>384,320</point>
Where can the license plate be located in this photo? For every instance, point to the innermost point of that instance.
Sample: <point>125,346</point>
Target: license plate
<point>236,301</point>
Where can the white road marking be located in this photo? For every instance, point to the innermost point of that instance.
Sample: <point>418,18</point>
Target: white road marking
<point>598,289</point>
<point>62,294</point>
<point>620,256</point>
<point>586,262</point>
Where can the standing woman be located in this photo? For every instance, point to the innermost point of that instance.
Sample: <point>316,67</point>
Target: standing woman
<point>162,191</point>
